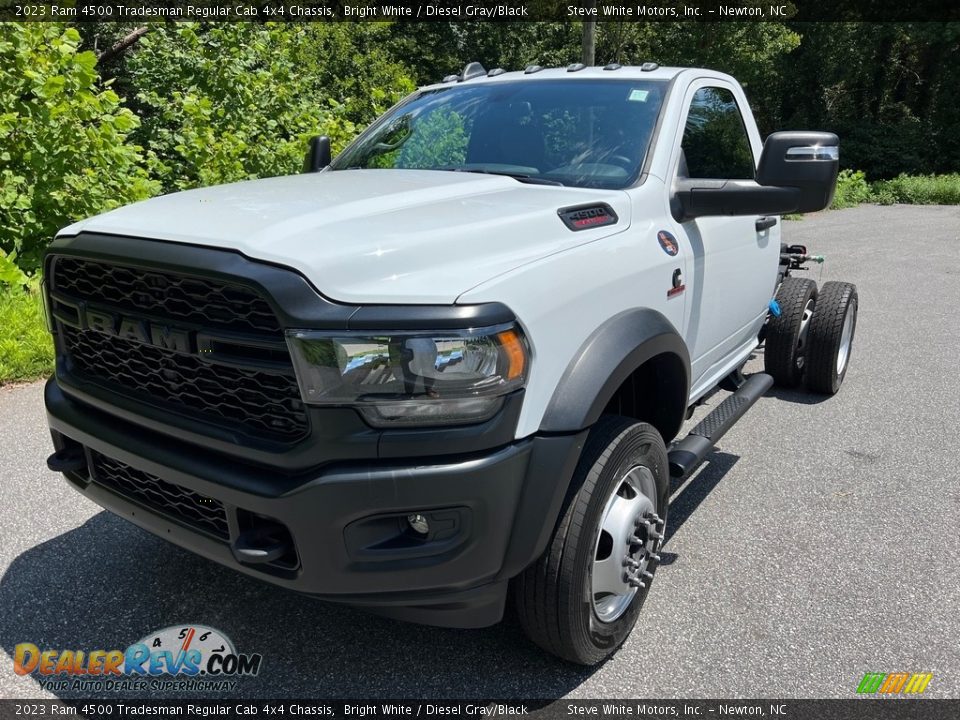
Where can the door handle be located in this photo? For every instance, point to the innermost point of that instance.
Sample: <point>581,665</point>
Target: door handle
<point>765,223</point>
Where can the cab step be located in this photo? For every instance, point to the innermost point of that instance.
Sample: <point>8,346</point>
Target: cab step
<point>686,454</point>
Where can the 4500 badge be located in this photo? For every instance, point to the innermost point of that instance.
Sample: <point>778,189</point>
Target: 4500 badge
<point>192,651</point>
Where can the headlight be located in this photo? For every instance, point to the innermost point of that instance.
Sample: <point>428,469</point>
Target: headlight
<point>411,378</point>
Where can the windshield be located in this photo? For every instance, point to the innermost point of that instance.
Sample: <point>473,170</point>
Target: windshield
<point>583,133</point>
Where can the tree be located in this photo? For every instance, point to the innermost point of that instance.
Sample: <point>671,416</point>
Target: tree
<point>237,101</point>
<point>65,150</point>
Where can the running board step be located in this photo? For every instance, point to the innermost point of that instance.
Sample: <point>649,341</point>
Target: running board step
<point>688,453</point>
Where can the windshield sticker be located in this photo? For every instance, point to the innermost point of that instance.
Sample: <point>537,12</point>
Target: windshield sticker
<point>638,95</point>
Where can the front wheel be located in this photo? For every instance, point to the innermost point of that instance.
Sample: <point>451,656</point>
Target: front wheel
<point>582,598</point>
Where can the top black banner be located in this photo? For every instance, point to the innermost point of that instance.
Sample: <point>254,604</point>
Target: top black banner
<point>478,11</point>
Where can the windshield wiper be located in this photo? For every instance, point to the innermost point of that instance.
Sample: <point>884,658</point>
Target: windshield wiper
<point>520,177</point>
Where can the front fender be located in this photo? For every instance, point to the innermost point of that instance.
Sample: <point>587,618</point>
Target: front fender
<point>608,357</point>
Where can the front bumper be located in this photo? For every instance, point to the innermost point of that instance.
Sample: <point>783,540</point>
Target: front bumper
<point>494,511</point>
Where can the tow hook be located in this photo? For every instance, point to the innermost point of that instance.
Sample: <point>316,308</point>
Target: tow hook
<point>69,459</point>
<point>262,544</point>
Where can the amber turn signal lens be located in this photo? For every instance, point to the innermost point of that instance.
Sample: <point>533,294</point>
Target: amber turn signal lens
<point>513,349</point>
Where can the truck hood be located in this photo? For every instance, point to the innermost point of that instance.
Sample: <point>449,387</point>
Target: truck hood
<point>373,236</point>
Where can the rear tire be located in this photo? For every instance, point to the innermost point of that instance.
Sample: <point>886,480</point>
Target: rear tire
<point>576,601</point>
<point>784,355</point>
<point>832,328</point>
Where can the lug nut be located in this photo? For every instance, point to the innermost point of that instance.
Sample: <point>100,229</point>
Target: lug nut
<point>654,556</point>
<point>636,583</point>
<point>647,574</point>
<point>630,563</point>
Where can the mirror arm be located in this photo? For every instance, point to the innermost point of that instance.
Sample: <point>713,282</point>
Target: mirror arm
<point>693,198</point>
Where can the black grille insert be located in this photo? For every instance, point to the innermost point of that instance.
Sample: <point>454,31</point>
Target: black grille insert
<point>207,303</point>
<point>244,386</point>
<point>258,402</point>
<point>174,501</point>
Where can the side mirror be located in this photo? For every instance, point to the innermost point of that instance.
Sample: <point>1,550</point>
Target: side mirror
<point>318,154</point>
<point>797,173</point>
<point>807,161</point>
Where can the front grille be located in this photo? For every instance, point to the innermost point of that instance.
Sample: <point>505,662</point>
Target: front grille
<point>210,304</point>
<point>178,503</point>
<point>258,397</point>
<point>256,401</point>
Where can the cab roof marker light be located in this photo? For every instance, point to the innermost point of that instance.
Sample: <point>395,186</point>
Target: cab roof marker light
<point>473,70</point>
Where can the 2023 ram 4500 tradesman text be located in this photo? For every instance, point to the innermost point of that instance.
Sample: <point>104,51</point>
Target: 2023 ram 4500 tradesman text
<point>457,356</point>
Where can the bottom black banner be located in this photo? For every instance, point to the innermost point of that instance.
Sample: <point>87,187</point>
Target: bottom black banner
<point>852,709</point>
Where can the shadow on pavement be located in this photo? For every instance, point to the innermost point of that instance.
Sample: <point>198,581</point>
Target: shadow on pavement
<point>107,584</point>
<point>799,396</point>
<point>696,490</point>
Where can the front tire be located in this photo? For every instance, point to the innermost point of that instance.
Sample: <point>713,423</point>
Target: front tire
<point>581,599</point>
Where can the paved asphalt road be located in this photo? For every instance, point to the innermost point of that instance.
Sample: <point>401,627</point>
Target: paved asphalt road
<point>820,542</point>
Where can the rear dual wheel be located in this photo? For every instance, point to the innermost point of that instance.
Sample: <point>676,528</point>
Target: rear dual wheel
<point>582,598</point>
<point>831,337</point>
<point>785,354</point>
<point>811,340</point>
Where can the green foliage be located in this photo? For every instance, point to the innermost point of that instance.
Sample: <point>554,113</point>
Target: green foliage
<point>64,153</point>
<point>852,189</point>
<point>225,103</point>
<point>26,349</point>
<point>238,101</point>
<point>440,139</point>
<point>920,190</point>
<point>10,272</point>
<point>887,89</point>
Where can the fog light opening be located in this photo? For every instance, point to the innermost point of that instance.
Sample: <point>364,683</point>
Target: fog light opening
<point>418,523</point>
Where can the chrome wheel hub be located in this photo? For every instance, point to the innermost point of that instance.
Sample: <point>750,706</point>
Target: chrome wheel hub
<point>802,335</point>
<point>629,539</point>
<point>846,337</point>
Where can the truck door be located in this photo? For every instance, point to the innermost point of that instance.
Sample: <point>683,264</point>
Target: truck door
<point>732,263</point>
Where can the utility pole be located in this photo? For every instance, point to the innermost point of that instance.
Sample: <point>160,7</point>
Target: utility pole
<point>588,56</point>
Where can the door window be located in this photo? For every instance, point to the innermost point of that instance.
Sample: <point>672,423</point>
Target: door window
<point>715,142</point>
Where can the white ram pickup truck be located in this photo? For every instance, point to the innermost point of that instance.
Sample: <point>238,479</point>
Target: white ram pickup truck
<point>455,360</point>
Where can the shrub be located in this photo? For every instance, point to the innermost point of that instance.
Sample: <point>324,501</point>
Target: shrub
<point>26,348</point>
<point>921,189</point>
<point>238,101</point>
<point>852,189</point>
<point>64,153</point>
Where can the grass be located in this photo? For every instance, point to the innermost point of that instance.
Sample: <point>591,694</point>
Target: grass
<point>26,349</point>
<point>919,190</point>
<point>854,189</point>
